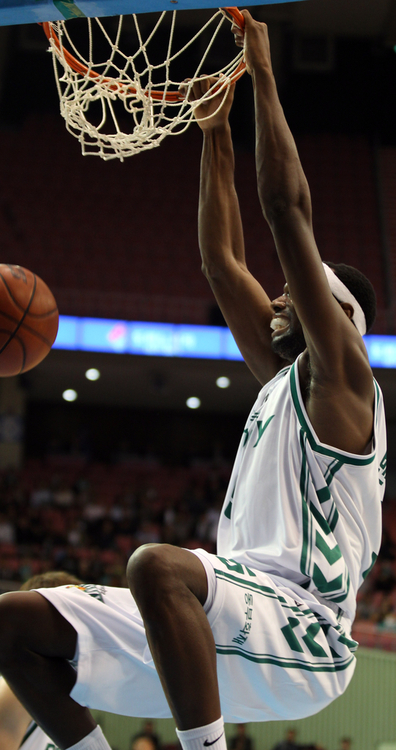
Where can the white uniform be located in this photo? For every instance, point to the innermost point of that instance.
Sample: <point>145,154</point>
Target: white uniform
<point>36,739</point>
<point>300,529</point>
<point>302,511</point>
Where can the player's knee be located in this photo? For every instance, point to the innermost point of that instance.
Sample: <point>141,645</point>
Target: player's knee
<point>149,570</point>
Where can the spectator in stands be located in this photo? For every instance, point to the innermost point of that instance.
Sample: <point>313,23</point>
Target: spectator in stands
<point>345,743</point>
<point>385,579</point>
<point>289,743</point>
<point>7,530</point>
<point>241,740</point>
<point>63,496</point>
<point>147,732</point>
<point>387,551</point>
<point>41,495</point>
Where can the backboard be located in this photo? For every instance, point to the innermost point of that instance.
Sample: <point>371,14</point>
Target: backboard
<point>33,11</point>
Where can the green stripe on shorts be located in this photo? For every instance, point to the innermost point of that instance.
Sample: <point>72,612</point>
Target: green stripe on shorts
<point>284,663</point>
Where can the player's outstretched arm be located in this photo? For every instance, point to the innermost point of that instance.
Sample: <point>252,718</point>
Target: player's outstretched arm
<point>244,304</point>
<point>284,192</point>
<point>14,719</point>
<point>337,357</point>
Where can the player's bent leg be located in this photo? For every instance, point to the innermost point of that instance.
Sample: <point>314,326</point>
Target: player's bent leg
<point>170,587</point>
<point>36,644</point>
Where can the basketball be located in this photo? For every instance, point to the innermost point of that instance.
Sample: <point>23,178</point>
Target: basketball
<point>28,320</point>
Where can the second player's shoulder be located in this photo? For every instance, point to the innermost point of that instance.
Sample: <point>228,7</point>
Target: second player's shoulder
<point>36,739</point>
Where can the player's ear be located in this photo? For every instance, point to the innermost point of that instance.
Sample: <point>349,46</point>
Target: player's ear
<point>348,309</point>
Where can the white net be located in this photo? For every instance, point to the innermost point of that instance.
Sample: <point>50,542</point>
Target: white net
<point>130,101</point>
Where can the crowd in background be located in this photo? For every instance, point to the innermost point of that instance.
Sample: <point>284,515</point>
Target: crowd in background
<point>148,739</point>
<point>376,602</point>
<point>88,518</point>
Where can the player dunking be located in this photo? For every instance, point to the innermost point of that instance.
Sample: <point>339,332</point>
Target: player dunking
<point>261,631</point>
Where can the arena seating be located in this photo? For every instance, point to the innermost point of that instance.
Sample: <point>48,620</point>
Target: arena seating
<point>120,240</point>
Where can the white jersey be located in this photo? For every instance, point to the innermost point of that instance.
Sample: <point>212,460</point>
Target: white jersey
<point>305,513</point>
<point>36,739</point>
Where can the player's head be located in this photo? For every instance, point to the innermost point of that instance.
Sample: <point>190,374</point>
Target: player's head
<point>241,729</point>
<point>148,727</point>
<point>49,580</point>
<point>360,287</point>
<point>288,338</point>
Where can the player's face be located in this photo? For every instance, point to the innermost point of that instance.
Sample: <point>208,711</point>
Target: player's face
<point>287,335</point>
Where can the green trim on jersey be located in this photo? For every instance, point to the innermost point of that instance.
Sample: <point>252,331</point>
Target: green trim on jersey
<point>377,398</point>
<point>337,588</point>
<point>228,510</point>
<point>373,560</point>
<point>317,447</point>
<point>29,732</point>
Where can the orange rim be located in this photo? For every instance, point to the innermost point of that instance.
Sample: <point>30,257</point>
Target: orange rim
<point>170,96</point>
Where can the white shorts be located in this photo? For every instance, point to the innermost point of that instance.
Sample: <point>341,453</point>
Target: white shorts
<point>276,657</point>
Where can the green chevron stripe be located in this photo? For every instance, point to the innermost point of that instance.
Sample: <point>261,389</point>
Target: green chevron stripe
<point>322,584</point>
<point>332,555</point>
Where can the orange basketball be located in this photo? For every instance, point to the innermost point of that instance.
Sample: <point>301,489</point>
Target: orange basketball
<point>28,319</point>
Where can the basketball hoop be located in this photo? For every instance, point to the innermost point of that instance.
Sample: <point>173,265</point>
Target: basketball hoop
<point>125,103</point>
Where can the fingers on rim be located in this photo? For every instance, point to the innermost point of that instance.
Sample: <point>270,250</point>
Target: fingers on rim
<point>198,89</point>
